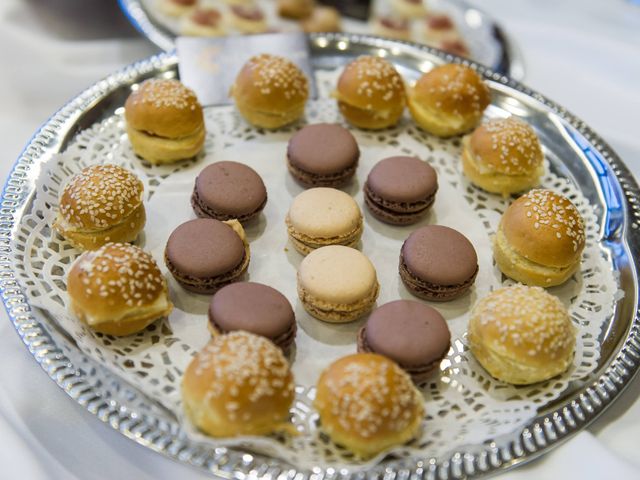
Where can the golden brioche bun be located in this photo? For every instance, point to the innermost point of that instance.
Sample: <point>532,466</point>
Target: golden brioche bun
<point>164,121</point>
<point>370,93</point>
<point>101,204</point>
<point>117,289</point>
<point>238,384</point>
<point>521,335</point>
<point>270,91</point>
<point>367,404</point>
<point>503,156</point>
<point>322,19</point>
<point>540,239</point>
<point>449,100</point>
<point>295,9</point>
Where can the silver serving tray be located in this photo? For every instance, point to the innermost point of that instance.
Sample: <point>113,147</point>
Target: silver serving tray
<point>575,152</point>
<point>508,58</point>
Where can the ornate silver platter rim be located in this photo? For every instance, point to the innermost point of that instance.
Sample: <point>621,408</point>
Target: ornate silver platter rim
<point>509,62</point>
<point>114,402</point>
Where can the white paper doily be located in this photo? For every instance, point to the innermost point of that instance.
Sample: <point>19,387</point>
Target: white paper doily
<point>464,406</point>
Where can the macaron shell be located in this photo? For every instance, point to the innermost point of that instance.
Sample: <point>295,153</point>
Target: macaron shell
<point>403,179</point>
<point>230,188</point>
<point>337,274</point>
<point>204,248</point>
<point>323,149</point>
<point>408,332</point>
<point>440,255</point>
<point>324,213</point>
<point>253,307</point>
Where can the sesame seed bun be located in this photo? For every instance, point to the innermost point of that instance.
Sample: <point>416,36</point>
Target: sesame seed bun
<point>101,204</point>
<point>295,9</point>
<point>238,384</point>
<point>323,19</point>
<point>503,156</point>
<point>367,404</point>
<point>270,91</point>
<point>371,93</point>
<point>117,289</point>
<point>540,239</point>
<point>522,335</point>
<point>449,100</point>
<point>164,121</point>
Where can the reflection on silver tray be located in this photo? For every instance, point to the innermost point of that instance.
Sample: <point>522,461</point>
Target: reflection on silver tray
<point>574,151</point>
<point>497,51</point>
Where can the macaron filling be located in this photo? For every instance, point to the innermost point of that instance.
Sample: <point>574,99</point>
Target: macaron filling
<point>397,212</point>
<point>206,284</point>
<point>337,312</point>
<point>321,180</point>
<point>306,243</point>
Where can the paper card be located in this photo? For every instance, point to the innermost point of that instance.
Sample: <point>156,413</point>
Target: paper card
<point>209,65</point>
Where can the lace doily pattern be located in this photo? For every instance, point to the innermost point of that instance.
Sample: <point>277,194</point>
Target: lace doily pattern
<point>464,405</point>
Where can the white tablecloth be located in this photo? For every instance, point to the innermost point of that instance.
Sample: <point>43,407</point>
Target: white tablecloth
<point>583,54</point>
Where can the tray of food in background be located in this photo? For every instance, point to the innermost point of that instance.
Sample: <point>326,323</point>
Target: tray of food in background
<point>449,25</point>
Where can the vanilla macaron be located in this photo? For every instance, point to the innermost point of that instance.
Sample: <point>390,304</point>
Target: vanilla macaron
<point>323,216</point>
<point>337,284</point>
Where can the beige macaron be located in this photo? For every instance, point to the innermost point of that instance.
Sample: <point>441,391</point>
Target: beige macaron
<point>337,284</point>
<point>323,216</point>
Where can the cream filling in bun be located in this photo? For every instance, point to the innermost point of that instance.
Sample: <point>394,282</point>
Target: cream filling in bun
<point>507,368</point>
<point>375,113</point>
<point>524,263</point>
<point>64,225</point>
<point>451,121</point>
<point>158,307</point>
<point>169,142</point>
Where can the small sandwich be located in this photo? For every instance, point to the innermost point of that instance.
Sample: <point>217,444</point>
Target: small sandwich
<point>164,121</point>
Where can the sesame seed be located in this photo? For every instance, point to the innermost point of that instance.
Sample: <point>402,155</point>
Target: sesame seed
<point>528,318</point>
<point>274,75</point>
<point>91,196</point>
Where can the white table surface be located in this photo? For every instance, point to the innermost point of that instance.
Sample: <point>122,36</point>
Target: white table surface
<point>583,54</point>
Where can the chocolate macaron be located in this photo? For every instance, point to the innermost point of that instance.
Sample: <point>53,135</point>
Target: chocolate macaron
<point>400,190</point>
<point>228,190</point>
<point>410,333</point>
<point>255,308</point>
<point>204,255</point>
<point>323,155</point>
<point>438,263</point>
